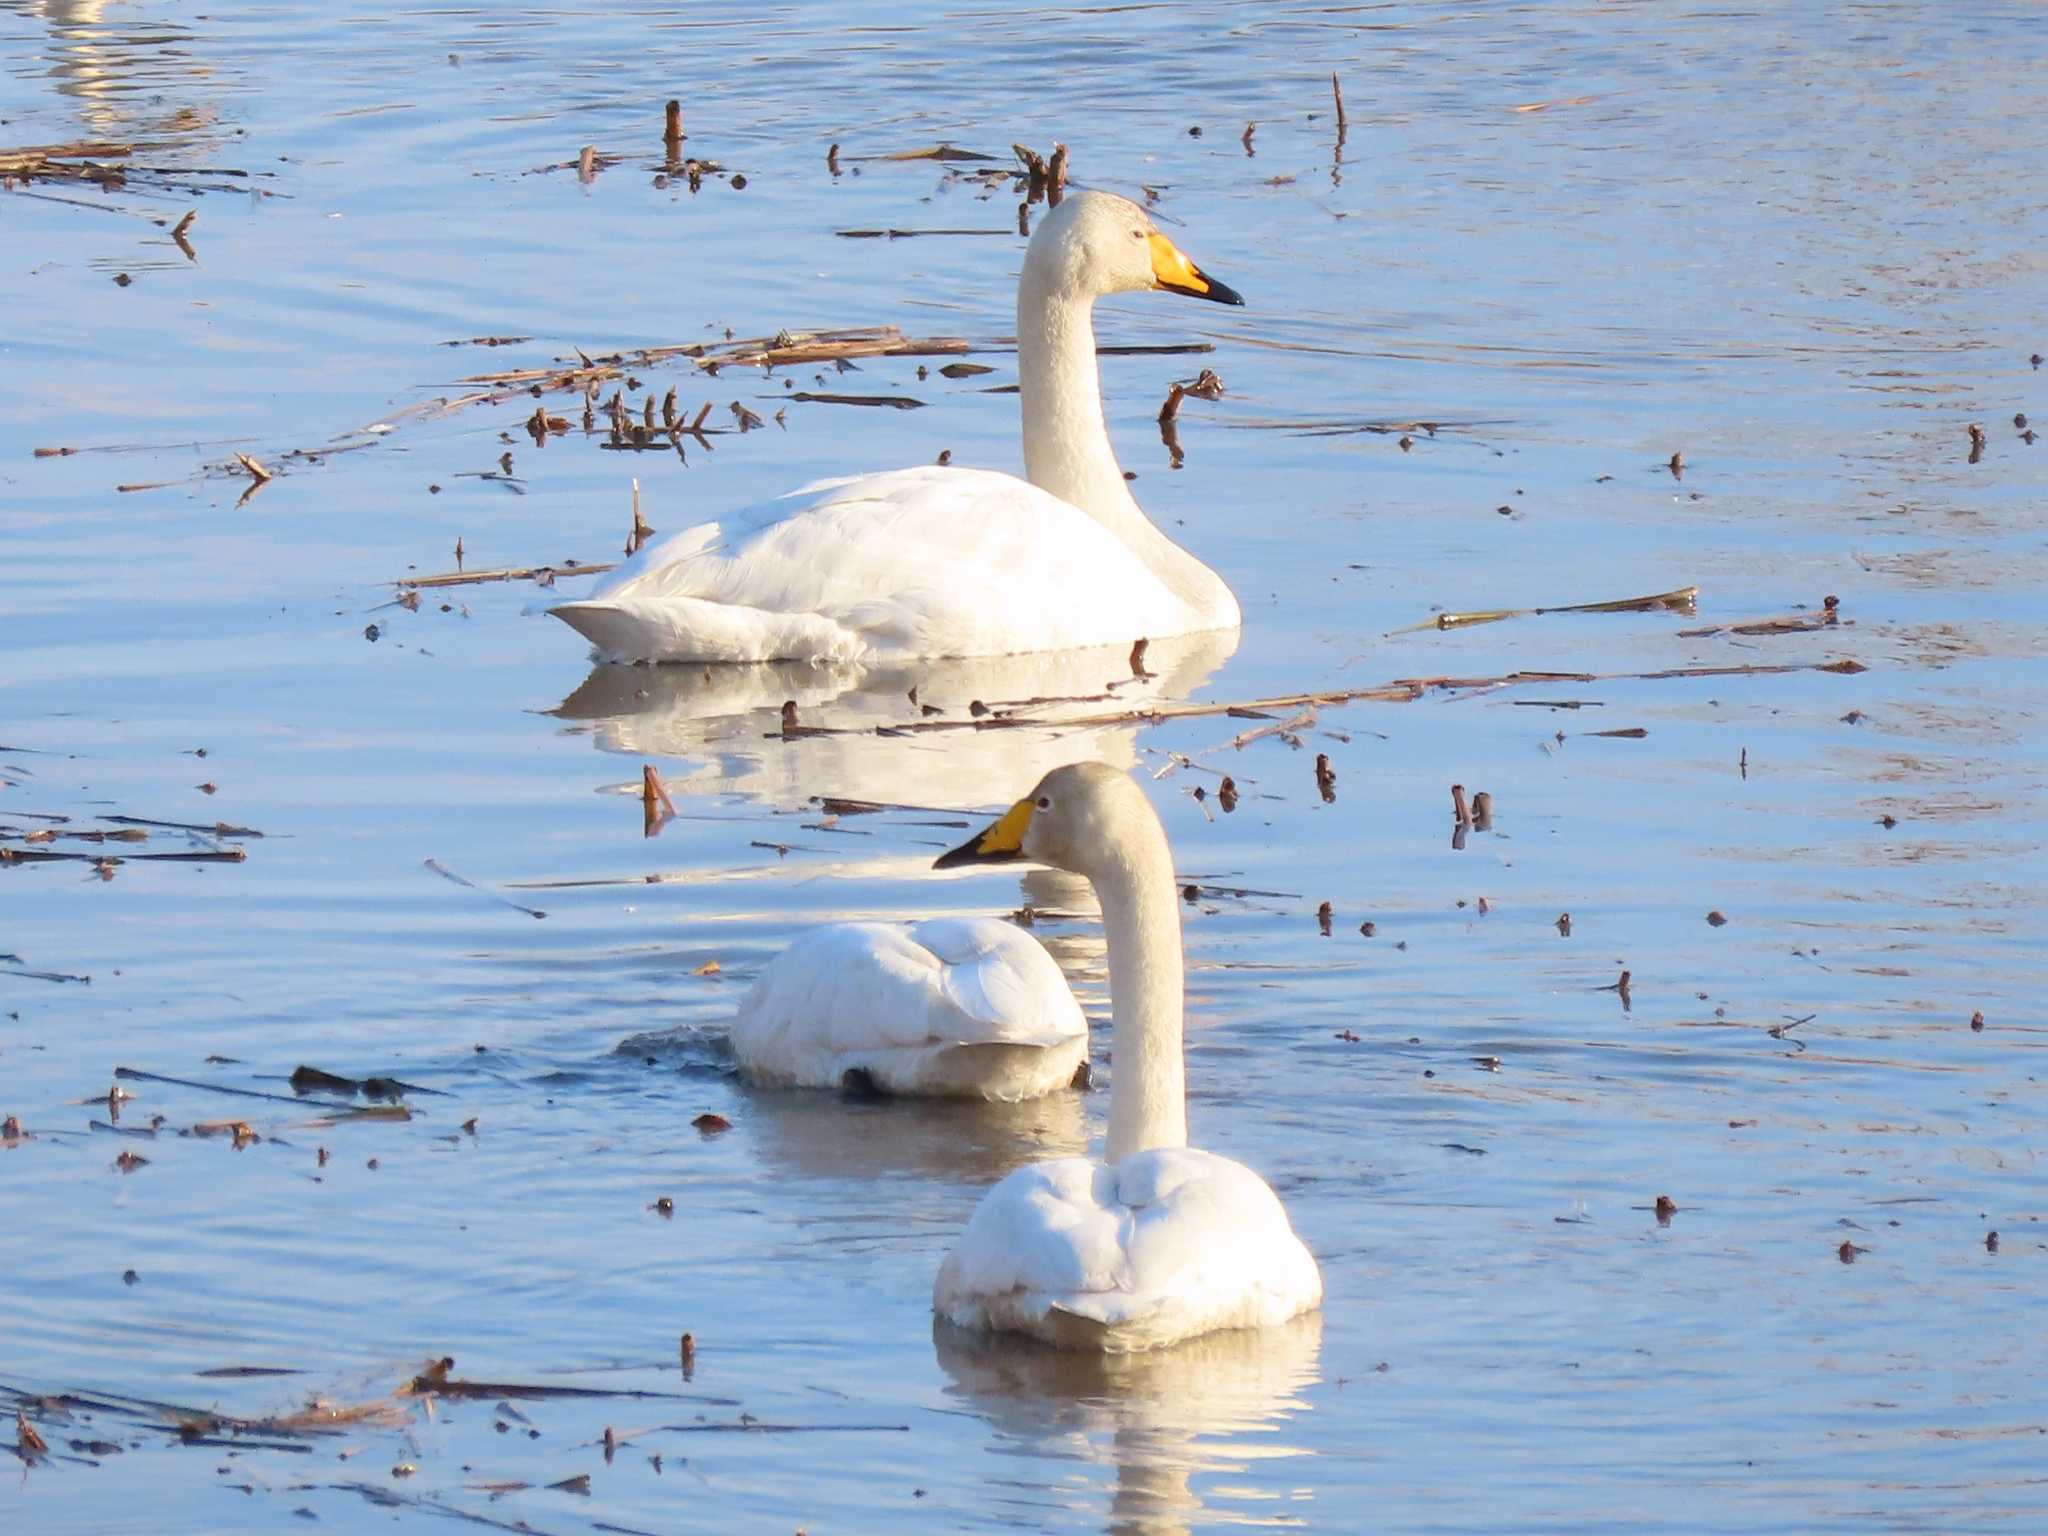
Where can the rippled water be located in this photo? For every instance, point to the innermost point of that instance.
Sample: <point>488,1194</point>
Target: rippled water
<point>1802,246</point>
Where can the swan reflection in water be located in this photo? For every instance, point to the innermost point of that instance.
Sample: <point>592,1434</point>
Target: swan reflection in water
<point>727,720</point>
<point>1162,1418</point>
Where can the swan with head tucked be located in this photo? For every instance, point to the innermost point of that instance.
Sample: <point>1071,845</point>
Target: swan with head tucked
<point>1159,1241</point>
<point>944,561</point>
<point>950,1007</point>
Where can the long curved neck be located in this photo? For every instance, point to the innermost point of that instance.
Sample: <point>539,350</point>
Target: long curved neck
<point>1141,915</point>
<point>1067,449</point>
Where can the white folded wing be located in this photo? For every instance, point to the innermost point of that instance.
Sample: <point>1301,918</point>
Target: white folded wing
<point>927,562</point>
<point>969,1007</point>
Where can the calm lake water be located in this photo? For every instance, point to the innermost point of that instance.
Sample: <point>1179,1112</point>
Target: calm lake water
<point>1803,246</point>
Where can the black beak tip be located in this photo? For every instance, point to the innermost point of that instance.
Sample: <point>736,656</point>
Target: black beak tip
<point>1223,293</point>
<point>969,852</point>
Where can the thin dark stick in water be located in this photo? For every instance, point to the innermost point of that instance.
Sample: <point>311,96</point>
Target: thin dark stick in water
<point>216,829</point>
<point>448,874</point>
<point>1337,90</point>
<point>507,573</point>
<point>437,1382</point>
<point>754,1427</point>
<point>391,1498</point>
<point>52,856</point>
<point>57,976</point>
<point>1400,691</point>
<point>899,402</point>
<point>137,1075</point>
<point>910,234</point>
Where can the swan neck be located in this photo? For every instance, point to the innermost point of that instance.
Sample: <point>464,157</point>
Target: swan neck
<point>1067,449</point>
<point>1066,444</point>
<point>1141,916</point>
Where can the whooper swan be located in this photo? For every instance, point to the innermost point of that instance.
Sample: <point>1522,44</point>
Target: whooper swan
<point>1160,1241</point>
<point>950,1007</point>
<point>943,561</point>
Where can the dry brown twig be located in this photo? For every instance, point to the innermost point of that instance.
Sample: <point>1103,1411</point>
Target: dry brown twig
<point>1679,600</point>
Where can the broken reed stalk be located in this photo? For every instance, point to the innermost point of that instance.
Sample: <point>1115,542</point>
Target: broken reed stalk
<point>505,573</point>
<point>641,532</point>
<point>1056,175</point>
<point>1830,614</point>
<point>783,349</point>
<point>1005,715</point>
<point>40,159</point>
<point>654,799</point>
<point>1337,91</point>
<point>1679,600</point>
<point>1035,170</point>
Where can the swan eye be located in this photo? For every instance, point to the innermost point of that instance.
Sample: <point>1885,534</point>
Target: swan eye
<point>1045,802</point>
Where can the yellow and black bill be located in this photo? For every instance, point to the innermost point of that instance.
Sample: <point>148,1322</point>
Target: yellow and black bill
<point>997,843</point>
<point>1172,271</point>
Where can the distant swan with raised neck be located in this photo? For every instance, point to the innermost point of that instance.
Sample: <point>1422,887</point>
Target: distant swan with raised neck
<point>945,561</point>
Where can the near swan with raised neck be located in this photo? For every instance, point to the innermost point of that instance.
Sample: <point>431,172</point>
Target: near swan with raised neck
<point>1160,1241</point>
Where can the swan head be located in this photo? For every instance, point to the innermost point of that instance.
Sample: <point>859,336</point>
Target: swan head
<point>1096,243</point>
<point>1081,818</point>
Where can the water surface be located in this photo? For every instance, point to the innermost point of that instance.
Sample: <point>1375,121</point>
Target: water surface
<point>1800,246</point>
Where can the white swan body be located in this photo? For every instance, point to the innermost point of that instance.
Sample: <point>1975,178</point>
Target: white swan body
<point>1157,1248</point>
<point>938,561</point>
<point>1160,1241</point>
<point>955,1007</point>
<point>929,562</point>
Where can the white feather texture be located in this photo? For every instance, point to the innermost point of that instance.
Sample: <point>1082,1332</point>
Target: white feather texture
<point>940,561</point>
<point>1159,1242</point>
<point>1159,1247</point>
<point>959,1007</point>
<point>935,561</point>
